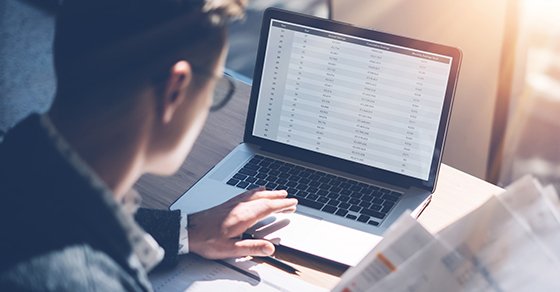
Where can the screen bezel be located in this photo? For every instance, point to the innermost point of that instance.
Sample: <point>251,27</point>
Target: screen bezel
<point>328,161</point>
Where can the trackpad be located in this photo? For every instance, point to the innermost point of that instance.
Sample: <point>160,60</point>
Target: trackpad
<point>285,229</point>
<point>318,237</point>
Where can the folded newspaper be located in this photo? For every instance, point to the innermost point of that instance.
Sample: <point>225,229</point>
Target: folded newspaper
<point>510,243</point>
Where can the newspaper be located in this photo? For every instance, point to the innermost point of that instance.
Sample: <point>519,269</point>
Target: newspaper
<point>510,243</point>
<point>404,238</point>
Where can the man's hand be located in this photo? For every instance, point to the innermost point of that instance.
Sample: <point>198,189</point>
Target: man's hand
<point>216,233</point>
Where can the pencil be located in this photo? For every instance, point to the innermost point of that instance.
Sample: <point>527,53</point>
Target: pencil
<point>279,264</point>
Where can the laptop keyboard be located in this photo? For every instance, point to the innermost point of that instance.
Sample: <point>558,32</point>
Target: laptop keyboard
<point>318,190</point>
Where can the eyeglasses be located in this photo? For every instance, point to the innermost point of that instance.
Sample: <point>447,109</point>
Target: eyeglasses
<point>225,88</point>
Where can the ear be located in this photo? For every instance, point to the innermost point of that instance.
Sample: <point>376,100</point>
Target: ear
<point>174,94</point>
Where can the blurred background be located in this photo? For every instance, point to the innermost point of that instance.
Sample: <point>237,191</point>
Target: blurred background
<point>505,121</point>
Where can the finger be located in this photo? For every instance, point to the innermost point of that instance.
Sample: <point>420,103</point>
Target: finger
<point>288,210</point>
<point>279,194</point>
<point>243,196</point>
<point>252,247</point>
<point>264,207</point>
<point>261,193</point>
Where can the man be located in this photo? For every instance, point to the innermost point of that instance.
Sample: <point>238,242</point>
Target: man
<point>134,86</point>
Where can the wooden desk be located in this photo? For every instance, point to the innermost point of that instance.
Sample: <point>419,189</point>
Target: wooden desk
<point>457,192</point>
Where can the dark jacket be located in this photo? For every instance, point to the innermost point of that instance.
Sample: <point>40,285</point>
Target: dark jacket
<point>57,233</point>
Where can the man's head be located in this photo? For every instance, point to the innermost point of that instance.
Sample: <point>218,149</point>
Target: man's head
<point>147,66</point>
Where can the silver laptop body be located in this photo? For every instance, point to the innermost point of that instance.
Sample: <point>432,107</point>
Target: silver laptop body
<point>349,121</point>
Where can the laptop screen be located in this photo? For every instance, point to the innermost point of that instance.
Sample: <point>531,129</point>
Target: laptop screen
<point>357,99</point>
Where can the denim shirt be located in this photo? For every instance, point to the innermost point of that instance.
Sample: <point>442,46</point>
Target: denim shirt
<point>62,228</point>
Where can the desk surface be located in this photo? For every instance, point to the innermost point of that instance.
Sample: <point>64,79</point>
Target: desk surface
<point>457,193</point>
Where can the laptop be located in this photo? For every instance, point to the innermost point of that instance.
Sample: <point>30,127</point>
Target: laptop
<point>349,121</point>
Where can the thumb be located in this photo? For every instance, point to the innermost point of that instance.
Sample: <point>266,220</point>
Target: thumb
<point>254,247</point>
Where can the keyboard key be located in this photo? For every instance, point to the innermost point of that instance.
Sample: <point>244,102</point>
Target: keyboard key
<point>309,203</point>
<point>324,186</point>
<point>233,182</point>
<point>367,198</point>
<point>292,191</point>
<point>356,188</point>
<point>323,193</point>
<point>329,209</point>
<point>373,213</point>
<point>312,190</point>
<point>282,181</point>
<point>385,191</point>
<point>315,176</point>
<point>333,202</point>
<point>332,195</point>
<point>390,198</point>
<point>239,176</point>
<point>243,184</point>
<point>298,196</point>
<point>344,206</point>
<point>294,178</point>
<point>374,223</point>
<point>346,192</point>
<point>344,198</point>
<point>261,175</point>
<point>314,183</point>
<point>261,182</point>
<point>247,172</point>
<point>363,218</point>
<point>322,200</point>
<point>271,185</point>
<point>305,174</point>
<point>264,170</point>
<point>312,197</point>
<point>284,169</point>
<point>388,204</point>
<point>251,166</point>
<point>385,210</point>
<point>350,216</point>
<point>367,191</point>
<point>378,201</point>
<point>354,201</point>
<point>396,194</point>
<point>251,179</point>
<point>291,183</point>
<point>304,180</point>
<point>341,212</point>
<point>375,207</point>
<point>336,189</point>
<point>355,208</point>
<point>362,185</point>
<point>330,176</point>
<point>374,188</point>
<point>364,204</point>
<point>252,187</point>
<point>264,163</point>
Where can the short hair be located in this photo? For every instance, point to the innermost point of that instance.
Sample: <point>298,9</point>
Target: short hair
<point>114,41</point>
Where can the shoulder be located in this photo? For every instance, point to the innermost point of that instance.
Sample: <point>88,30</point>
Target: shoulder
<point>76,268</point>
